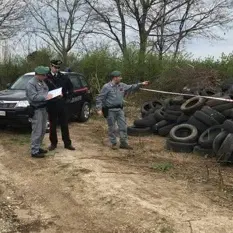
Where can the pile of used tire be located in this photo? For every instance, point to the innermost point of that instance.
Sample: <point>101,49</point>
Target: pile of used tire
<point>192,124</point>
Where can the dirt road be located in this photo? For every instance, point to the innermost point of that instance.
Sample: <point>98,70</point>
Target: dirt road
<point>98,190</point>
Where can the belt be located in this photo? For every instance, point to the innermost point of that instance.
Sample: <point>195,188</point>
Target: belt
<point>117,106</point>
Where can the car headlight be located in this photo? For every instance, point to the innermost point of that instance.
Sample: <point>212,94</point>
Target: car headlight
<point>22,104</point>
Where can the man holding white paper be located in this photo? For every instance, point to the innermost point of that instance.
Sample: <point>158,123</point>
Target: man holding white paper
<point>61,88</point>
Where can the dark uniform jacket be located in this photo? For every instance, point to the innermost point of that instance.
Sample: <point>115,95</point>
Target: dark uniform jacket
<point>54,82</point>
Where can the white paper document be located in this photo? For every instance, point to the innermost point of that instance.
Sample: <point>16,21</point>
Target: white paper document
<point>56,92</point>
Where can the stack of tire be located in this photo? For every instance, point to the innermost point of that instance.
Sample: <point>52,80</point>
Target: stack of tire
<point>158,117</point>
<point>192,124</point>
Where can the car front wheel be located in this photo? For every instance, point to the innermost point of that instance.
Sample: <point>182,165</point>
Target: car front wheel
<point>85,113</point>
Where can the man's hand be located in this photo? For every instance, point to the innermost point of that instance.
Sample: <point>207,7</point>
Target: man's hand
<point>145,83</point>
<point>49,97</point>
<point>99,112</point>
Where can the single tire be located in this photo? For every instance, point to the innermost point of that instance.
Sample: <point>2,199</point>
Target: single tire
<point>179,100</point>
<point>179,146</point>
<point>156,104</point>
<point>85,112</point>
<point>192,105</point>
<point>225,151</point>
<point>228,126</point>
<point>138,132</point>
<point>145,122</point>
<point>218,141</point>
<point>146,107</point>
<point>155,128</point>
<point>174,108</point>
<point>159,115</point>
<point>170,117</point>
<point>213,103</point>
<point>184,133</point>
<point>228,113</point>
<point>203,151</point>
<point>223,107</point>
<point>182,119</point>
<point>198,124</point>
<point>172,112</point>
<point>205,119</point>
<point>209,92</point>
<point>164,131</point>
<point>207,138</point>
<point>219,117</point>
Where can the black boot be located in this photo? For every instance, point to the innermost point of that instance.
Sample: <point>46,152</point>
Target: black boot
<point>38,155</point>
<point>52,147</point>
<point>70,147</point>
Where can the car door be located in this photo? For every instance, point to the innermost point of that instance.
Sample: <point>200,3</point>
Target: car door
<point>75,103</point>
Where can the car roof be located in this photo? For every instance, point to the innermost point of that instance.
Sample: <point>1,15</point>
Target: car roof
<point>63,72</point>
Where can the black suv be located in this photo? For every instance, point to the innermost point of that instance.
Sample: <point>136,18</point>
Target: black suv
<point>14,104</point>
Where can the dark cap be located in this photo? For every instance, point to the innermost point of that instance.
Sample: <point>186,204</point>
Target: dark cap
<point>56,62</point>
<point>115,74</point>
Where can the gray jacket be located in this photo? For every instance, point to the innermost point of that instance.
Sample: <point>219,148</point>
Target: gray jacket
<point>36,92</point>
<point>113,94</point>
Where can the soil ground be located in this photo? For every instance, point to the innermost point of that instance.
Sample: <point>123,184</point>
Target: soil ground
<point>97,190</point>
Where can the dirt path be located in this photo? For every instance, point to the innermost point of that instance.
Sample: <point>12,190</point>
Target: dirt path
<point>97,190</point>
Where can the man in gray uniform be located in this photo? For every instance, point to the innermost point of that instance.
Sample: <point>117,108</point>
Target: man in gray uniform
<point>110,104</point>
<point>37,94</point>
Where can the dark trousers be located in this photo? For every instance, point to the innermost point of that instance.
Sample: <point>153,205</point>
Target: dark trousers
<point>58,115</point>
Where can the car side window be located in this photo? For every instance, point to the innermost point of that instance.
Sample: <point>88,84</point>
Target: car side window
<point>75,81</point>
<point>83,81</point>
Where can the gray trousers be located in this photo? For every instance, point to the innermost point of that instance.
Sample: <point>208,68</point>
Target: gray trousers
<point>39,122</point>
<point>117,116</point>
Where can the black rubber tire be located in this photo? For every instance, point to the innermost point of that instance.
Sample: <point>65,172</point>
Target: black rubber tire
<point>219,117</point>
<point>213,103</point>
<point>205,119</point>
<point>148,121</point>
<point>198,124</point>
<point>175,108</point>
<point>218,141</point>
<point>207,138</point>
<point>85,113</point>
<point>170,118</point>
<point>210,92</point>
<point>155,128</point>
<point>138,132</point>
<point>172,112</point>
<point>182,119</point>
<point>228,113</point>
<point>146,107</point>
<point>159,115</point>
<point>228,126</point>
<point>223,107</point>
<point>157,104</point>
<point>164,131</point>
<point>179,146</point>
<point>184,133</point>
<point>179,100</point>
<point>192,105</point>
<point>225,151</point>
<point>203,151</point>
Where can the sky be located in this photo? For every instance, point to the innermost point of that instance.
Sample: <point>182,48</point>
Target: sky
<point>201,48</point>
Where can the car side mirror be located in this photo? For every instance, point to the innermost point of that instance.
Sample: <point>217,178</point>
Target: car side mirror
<point>8,85</point>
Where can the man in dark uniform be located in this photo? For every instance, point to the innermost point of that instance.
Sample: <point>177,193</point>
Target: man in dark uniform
<point>57,106</point>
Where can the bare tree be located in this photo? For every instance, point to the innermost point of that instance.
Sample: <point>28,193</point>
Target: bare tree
<point>111,19</point>
<point>60,23</point>
<point>12,16</point>
<point>195,18</point>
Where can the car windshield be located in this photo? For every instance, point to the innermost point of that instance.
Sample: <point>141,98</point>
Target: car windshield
<point>21,83</point>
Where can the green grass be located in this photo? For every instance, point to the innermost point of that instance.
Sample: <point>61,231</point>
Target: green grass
<point>163,167</point>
